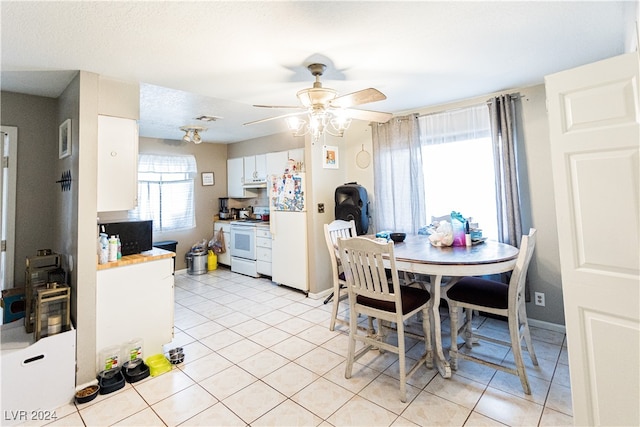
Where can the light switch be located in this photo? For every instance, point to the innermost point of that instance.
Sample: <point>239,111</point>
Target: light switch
<point>320,207</point>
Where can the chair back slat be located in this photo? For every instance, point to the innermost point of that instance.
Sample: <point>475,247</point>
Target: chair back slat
<point>519,273</point>
<point>332,232</point>
<point>363,263</point>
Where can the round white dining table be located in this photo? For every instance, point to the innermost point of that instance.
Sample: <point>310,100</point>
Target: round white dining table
<point>417,255</point>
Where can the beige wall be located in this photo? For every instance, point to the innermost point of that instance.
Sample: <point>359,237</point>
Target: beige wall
<point>209,158</point>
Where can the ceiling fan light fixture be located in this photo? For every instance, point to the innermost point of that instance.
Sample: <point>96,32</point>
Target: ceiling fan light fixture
<point>340,122</point>
<point>326,111</point>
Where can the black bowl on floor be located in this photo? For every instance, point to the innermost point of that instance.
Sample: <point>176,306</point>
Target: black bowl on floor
<point>398,237</point>
<point>111,380</point>
<point>135,370</point>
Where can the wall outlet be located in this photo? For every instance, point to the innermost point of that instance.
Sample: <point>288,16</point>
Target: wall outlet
<point>320,207</point>
<point>539,298</point>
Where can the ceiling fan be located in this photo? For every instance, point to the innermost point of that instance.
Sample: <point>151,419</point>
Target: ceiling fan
<point>326,110</point>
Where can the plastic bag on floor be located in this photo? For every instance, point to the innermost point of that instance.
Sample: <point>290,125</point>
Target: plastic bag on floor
<point>217,244</point>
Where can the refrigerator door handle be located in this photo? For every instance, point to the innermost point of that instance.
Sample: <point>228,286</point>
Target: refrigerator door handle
<point>272,226</point>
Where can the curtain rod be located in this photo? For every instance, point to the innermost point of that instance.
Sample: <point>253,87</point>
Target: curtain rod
<point>515,95</point>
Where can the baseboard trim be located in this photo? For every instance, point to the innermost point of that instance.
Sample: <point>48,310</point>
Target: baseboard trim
<point>320,295</point>
<point>548,326</point>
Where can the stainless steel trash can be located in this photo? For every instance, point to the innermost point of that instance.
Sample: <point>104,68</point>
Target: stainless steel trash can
<point>196,262</point>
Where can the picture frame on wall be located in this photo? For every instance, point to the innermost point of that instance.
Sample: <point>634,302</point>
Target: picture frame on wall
<point>64,139</point>
<point>330,157</point>
<point>208,178</point>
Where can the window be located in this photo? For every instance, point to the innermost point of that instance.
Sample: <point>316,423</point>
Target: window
<point>459,173</point>
<point>165,191</point>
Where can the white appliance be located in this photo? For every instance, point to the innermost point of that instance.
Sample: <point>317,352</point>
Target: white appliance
<point>288,224</point>
<point>243,247</point>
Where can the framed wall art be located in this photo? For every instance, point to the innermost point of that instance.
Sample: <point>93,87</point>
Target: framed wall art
<point>329,157</point>
<point>208,178</point>
<point>64,139</point>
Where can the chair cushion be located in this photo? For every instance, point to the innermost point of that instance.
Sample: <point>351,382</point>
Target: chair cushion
<point>483,292</point>
<point>412,298</point>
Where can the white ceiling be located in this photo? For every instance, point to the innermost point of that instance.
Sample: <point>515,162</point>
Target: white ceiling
<point>220,57</point>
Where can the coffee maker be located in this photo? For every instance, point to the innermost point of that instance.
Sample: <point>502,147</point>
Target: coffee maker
<point>224,208</point>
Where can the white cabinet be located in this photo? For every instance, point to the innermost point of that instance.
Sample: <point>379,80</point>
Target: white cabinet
<point>277,162</point>
<point>135,301</point>
<point>117,164</point>
<point>224,258</point>
<point>263,250</point>
<point>255,169</point>
<point>235,176</point>
<point>297,155</point>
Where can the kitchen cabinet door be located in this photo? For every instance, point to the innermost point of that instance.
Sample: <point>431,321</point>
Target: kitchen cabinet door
<point>235,175</point>
<point>276,162</point>
<point>297,155</point>
<point>261,167</point>
<point>255,168</point>
<point>117,164</point>
<point>249,169</point>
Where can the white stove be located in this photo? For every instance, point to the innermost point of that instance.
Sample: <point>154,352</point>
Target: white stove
<point>243,246</point>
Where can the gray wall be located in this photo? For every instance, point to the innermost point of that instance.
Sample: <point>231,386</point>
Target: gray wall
<point>36,193</point>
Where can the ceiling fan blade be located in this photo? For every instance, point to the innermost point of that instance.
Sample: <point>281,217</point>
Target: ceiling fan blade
<point>366,115</point>
<point>275,118</point>
<point>363,96</point>
<point>278,106</point>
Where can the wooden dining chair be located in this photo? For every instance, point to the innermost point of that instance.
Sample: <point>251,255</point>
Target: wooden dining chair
<point>370,293</point>
<point>333,231</point>
<point>489,296</point>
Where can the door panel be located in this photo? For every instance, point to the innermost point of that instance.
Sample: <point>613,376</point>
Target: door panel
<point>595,138</point>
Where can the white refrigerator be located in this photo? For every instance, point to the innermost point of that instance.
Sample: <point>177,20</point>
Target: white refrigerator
<point>288,223</point>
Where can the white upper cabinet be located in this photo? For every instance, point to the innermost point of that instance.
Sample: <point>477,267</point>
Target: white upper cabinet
<point>276,162</point>
<point>235,179</point>
<point>117,164</point>
<point>297,155</point>
<point>255,169</point>
<point>235,176</point>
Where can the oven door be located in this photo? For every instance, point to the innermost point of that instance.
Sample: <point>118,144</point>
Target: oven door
<point>243,241</point>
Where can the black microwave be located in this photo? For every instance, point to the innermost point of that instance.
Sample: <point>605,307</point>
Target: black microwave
<point>135,236</point>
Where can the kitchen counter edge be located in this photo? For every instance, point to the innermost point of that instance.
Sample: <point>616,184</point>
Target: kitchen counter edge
<point>152,255</point>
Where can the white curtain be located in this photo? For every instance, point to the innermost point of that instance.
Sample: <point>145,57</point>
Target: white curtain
<point>166,191</point>
<point>455,125</point>
<point>399,182</point>
<point>455,142</point>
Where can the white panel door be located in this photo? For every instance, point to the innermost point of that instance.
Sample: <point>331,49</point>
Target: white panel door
<point>595,138</point>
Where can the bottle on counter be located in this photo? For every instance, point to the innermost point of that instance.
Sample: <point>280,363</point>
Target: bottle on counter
<point>113,249</point>
<point>119,246</point>
<point>467,234</point>
<point>103,250</point>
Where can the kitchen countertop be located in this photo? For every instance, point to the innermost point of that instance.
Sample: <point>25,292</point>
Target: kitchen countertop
<point>152,255</point>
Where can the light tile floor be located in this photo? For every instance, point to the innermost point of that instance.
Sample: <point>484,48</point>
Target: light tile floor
<point>262,355</point>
